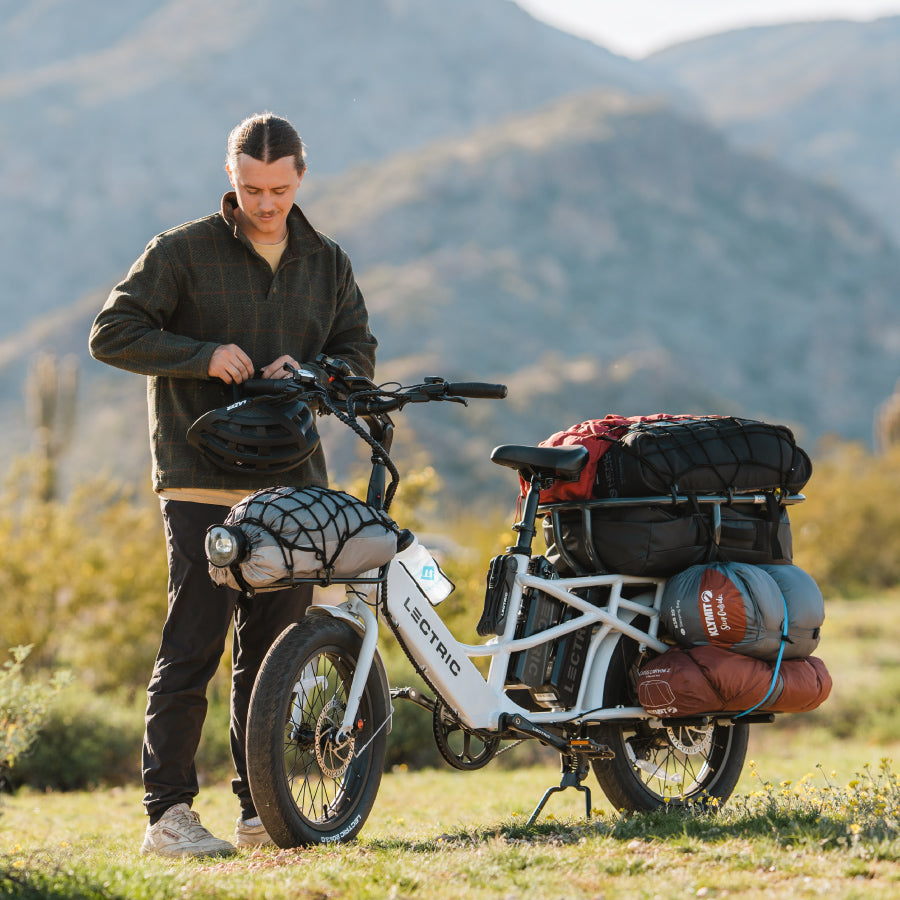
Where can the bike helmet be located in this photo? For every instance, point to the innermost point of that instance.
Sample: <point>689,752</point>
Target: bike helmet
<point>266,434</point>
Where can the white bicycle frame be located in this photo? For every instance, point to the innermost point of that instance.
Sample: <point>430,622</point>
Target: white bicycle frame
<point>447,663</point>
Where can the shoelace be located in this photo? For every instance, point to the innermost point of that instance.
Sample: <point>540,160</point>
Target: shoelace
<point>189,822</point>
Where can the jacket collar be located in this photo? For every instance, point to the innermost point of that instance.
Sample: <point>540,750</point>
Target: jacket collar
<point>302,237</point>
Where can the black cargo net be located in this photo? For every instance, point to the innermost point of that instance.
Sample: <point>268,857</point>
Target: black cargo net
<point>727,454</point>
<point>306,520</point>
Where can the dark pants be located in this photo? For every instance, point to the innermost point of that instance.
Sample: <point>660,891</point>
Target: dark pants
<point>193,641</point>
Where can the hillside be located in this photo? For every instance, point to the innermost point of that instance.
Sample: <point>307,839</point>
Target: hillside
<point>599,255</point>
<point>820,97</point>
<point>121,119</point>
<point>519,205</point>
<point>659,270</point>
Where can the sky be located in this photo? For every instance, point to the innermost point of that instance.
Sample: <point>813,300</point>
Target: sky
<point>637,27</point>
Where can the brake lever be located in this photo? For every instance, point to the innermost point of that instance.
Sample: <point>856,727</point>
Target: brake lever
<point>304,376</point>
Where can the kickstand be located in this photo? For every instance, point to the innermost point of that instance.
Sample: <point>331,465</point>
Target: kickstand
<point>574,770</point>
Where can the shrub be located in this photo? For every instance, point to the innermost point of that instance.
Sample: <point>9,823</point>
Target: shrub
<point>90,740</point>
<point>91,572</point>
<point>24,706</point>
<point>87,740</point>
<point>847,533</point>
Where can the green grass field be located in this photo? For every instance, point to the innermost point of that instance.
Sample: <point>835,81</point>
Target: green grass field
<point>817,813</point>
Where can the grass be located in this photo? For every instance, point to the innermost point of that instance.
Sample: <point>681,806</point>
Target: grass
<point>815,814</point>
<point>441,834</point>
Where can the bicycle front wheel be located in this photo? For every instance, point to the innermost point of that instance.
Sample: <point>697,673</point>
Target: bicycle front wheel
<point>309,787</point>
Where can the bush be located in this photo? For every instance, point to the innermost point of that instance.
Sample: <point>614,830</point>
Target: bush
<point>92,740</point>
<point>23,708</point>
<point>91,571</point>
<point>86,741</point>
<point>847,533</point>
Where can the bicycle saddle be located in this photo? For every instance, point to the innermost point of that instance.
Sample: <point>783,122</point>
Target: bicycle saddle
<point>565,463</point>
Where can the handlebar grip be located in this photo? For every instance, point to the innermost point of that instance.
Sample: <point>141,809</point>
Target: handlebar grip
<point>475,390</point>
<point>256,386</point>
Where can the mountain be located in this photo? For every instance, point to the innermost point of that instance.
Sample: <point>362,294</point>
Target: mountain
<point>519,205</point>
<point>604,254</point>
<point>600,254</point>
<point>115,121</point>
<point>819,97</point>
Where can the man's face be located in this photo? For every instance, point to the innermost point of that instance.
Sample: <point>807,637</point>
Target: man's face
<point>265,194</point>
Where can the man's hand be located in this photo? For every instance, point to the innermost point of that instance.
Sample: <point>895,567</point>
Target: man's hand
<point>231,364</point>
<point>277,369</point>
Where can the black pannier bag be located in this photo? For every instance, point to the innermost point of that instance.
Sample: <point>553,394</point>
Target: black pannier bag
<point>704,455</point>
<point>662,540</point>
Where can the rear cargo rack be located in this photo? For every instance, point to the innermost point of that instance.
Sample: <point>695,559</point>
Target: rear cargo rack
<point>586,507</point>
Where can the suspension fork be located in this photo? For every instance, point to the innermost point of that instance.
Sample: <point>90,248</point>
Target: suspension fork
<point>360,609</point>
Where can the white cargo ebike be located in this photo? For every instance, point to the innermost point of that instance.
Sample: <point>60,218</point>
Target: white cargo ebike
<point>563,656</point>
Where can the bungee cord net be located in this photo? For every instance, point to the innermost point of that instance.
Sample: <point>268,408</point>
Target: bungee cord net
<point>306,534</point>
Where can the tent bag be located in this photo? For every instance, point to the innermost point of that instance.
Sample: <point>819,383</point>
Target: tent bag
<point>741,607</point>
<point>306,533</point>
<point>664,540</point>
<point>706,454</point>
<point>710,679</point>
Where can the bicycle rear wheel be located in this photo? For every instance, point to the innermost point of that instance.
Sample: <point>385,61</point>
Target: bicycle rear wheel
<point>307,786</point>
<point>685,765</point>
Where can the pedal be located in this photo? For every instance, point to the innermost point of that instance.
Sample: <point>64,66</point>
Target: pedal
<point>590,748</point>
<point>414,696</point>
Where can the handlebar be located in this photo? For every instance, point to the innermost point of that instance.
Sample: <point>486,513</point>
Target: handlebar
<point>368,399</point>
<point>331,387</point>
<point>477,390</point>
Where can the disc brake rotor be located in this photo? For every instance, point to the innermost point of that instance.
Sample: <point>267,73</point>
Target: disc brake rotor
<point>691,740</point>
<point>333,758</point>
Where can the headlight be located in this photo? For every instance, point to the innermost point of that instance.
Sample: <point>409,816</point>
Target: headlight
<point>224,545</point>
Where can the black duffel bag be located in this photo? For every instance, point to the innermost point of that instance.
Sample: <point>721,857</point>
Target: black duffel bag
<point>702,455</point>
<point>660,541</point>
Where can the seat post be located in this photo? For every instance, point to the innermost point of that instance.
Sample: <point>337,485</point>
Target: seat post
<point>525,527</point>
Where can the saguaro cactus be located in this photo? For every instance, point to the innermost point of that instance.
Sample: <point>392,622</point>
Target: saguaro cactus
<point>50,392</point>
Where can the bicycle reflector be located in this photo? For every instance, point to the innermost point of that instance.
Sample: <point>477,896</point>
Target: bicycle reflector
<point>225,545</point>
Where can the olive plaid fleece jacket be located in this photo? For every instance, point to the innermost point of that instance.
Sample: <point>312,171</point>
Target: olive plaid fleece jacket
<point>201,285</point>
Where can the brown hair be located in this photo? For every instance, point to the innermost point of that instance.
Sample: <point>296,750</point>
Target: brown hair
<point>268,138</point>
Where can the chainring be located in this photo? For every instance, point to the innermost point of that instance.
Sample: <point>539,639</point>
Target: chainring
<point>445,724</point>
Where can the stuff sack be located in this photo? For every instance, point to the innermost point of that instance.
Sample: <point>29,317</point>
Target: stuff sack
<point>663,540</point>
<point>710,680</point>
<point>306,533</point>
<point>706,454</point>
<point>741,607</point>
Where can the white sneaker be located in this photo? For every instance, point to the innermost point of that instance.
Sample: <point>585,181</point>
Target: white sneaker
<point>179,833</point>
<point>247,836</point>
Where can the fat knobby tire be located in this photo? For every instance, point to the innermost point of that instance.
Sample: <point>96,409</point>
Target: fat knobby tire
<point>303,795</point>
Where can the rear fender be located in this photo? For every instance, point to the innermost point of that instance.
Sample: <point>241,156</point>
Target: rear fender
<point>596,678</point>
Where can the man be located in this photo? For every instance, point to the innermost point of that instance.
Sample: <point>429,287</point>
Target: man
<point>208,305</point>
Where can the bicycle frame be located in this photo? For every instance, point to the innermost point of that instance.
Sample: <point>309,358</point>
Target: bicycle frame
<point>448,664</point>
<point>479,702</point>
